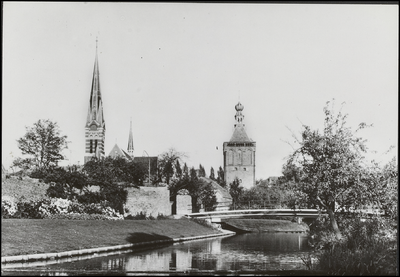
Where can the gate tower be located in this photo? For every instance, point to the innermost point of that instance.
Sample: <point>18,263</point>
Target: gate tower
<point>239,154</point>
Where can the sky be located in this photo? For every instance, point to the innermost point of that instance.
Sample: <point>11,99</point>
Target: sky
<point>177,70</point>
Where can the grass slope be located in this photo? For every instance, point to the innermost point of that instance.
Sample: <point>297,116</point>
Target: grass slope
<point>267,225</point>
<point>31,236</point>
<point>26,189</point>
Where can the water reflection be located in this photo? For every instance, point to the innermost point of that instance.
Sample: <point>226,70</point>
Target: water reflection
<point>252,251</point>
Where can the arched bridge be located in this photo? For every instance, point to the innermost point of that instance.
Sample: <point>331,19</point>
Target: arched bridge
<point>216,216</point>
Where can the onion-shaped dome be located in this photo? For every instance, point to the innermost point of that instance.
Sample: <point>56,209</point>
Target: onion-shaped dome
<point>239,107</point>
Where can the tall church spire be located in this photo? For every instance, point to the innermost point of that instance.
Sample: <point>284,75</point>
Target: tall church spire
<point>95,125</point>
<point>130,142</point>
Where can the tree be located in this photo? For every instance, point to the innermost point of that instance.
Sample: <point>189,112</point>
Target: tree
<point>178,170</point>
<point>202,172</point>
<point>327,166</point>
<point>44,143</point>
<point>65,182</point>
<point>382,187</point>
<point>23,164</point>
<point>221,178</point>
<point>236,191</point>
<point>212,174</point>
<point>185,172</point>
<point>115,170</point>
<point>193,188</point>
<point>167,162</point>
<point>208,197</point>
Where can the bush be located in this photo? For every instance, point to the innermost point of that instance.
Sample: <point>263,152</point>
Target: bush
<point>56,208</point>
<point>375,259</point>
<point>367,247</point>
<point>38,173</point>
<point>139,216</point>
<point>90,197</point>
<point>8,207</point>
<point>79,216</point>
<point>56,190</point>
<point>28,210</point>
<point>163,217</point>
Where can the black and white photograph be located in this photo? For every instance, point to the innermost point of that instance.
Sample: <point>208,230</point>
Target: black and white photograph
<point>199,138</point>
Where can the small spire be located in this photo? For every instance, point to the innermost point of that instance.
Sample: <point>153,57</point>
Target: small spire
<point>130,141</point>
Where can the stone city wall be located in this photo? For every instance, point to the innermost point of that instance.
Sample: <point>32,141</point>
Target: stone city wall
<point>153,201</point>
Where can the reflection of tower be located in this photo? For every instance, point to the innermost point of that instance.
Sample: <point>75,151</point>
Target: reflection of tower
<point>95,127</point>
<point>239,154</point>
<point>130,142</point>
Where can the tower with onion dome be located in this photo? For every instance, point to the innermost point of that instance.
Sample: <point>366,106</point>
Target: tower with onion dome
<point>239,154</point>
<point>95,128</point>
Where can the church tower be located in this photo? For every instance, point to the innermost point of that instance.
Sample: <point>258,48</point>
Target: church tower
<point>130,142</point>
<point>95,127</point>
<point>239,154</point>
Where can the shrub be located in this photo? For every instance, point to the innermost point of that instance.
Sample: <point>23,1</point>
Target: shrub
<point>57,208</point>
<point>28,210</point>
<point>375,259</point>
<point>90,197</point>
<point>163,217</point>
<point>8,207</point>
<point>367,247</point>
<point>139,216</point>
<point>79,216</point>
<point>38,173</point>
<point>56,190</point>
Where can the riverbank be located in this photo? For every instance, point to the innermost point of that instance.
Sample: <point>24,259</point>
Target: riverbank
<point>264,225</point>
<point>35,236</point>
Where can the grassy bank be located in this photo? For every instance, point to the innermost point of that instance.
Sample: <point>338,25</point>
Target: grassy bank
<point>267,225</point>
<point>27,189</point>
<point>32,236</point>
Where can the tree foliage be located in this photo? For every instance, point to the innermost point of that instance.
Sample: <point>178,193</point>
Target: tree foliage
<point>114,170</point>
<point>329,167</point>
<point>236,191</point>
<point>212,174</point>
<point>44,143</point>
<point>221,178</point>
<point>202,171</point>
<point>64,183</point>
<point>167,164</point>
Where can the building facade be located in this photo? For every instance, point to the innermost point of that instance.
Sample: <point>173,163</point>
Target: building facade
<point>239,154</point>
<point>95,128</point>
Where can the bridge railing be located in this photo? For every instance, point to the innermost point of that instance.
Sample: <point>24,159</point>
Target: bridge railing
<point>256,204</point>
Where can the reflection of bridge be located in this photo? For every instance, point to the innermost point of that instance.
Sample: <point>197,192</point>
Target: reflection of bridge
<point>216,216</point>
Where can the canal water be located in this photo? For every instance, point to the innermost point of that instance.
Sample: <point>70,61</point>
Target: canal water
<point>250,253</point>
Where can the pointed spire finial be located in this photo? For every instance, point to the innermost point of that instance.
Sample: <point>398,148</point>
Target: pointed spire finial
<point>96,43</point>
<point>130,141</point>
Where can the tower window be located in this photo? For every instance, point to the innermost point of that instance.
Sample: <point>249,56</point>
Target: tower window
<point>91,146</point>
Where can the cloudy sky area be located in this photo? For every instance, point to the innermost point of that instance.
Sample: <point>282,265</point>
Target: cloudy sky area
<point>178,70</point>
